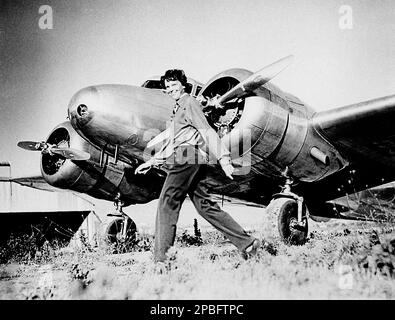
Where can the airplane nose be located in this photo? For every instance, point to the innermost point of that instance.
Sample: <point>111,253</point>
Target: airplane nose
<point>82,105</point>
<point>82,110</point>
<point>108,115</point>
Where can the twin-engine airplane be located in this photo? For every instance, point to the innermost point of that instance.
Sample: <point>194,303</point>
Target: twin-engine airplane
<point>295,159</point>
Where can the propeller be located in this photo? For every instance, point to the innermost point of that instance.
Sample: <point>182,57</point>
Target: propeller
<point>68,153</point>
<point>256,80</point>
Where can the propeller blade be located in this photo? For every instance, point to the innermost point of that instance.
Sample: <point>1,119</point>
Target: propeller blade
<point>70,153</point>
<point>31,145</point>
<point>256,80</point>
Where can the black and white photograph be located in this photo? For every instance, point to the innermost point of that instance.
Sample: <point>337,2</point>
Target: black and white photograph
<point>224,150</point>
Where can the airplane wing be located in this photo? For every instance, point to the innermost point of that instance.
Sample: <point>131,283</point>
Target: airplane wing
<point>221,199</point>
<point>36,182</point>
<point>365,135</point>
<point>364,132</point>
<point>376,204</point>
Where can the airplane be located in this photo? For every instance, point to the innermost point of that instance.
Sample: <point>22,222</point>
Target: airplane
<point>298,162</point>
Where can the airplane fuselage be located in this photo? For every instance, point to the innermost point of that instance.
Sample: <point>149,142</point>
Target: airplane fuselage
<point>273,132</point>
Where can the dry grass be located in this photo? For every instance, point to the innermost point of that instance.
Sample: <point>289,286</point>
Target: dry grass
<point>341,260</point>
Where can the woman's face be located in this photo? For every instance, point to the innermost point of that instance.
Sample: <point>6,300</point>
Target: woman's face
<point>174,88</point>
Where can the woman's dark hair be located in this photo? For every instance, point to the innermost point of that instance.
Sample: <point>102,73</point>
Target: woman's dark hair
<point>172,75</point>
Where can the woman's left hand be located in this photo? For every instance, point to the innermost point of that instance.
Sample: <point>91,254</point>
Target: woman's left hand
<point>143,168</point>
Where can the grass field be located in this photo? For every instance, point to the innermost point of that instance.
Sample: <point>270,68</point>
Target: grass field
<point>341,260</point>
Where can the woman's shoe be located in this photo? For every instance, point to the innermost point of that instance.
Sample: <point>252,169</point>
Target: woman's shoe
<point>251,250</point>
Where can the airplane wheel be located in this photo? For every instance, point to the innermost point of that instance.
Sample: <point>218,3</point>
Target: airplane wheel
<point>114,238</point>
<point>291,232</point>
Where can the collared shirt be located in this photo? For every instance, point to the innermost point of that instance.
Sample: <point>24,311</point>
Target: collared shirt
<point>189,137</point>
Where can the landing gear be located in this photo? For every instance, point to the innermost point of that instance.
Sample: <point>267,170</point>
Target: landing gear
<point>291,230</point>
<point>291,215</point>
<point>120,233</point>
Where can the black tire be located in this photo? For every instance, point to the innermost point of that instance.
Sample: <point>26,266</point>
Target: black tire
<point>287,215</point>
<point>113,235</point>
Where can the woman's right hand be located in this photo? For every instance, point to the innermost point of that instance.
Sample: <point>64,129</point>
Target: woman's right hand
<point>229,170</point>
<point>227,167</point>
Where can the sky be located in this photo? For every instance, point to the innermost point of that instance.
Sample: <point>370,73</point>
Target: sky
<point>341,57</point>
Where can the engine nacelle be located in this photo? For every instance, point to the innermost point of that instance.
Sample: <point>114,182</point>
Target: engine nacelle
<point>99,176</point>
<point>66,174</point>
<point>270,130</point>
<point>253,128</point>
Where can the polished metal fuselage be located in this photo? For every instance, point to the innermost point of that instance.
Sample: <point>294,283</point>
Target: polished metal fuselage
<point>318,150</point>
<point>122,119</point>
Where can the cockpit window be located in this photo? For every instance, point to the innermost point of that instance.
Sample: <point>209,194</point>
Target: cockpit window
<point>155,84</point>
<point>152,84</point>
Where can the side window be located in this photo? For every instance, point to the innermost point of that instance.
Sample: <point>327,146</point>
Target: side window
<point>188,88</point>
<point>198,88</point>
